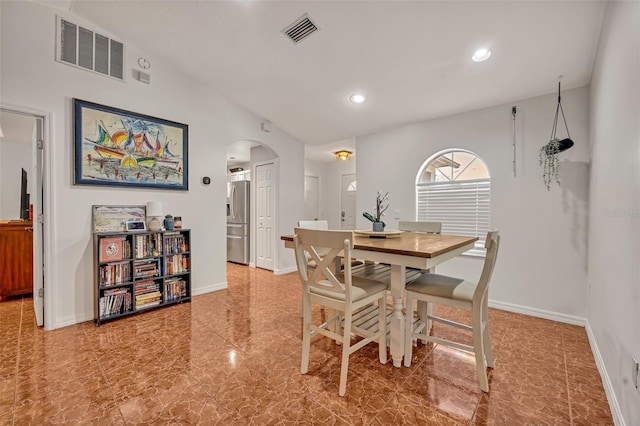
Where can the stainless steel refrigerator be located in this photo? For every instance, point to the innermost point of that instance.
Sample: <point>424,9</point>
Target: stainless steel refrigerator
<point>238,222</point>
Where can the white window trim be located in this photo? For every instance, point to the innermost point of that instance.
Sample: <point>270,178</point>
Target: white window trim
<point>480,219</point>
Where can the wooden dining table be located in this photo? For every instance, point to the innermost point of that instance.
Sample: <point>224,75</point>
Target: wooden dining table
<point>401,251</point>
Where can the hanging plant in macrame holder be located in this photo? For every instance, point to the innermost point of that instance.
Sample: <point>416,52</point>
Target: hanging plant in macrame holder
<point>549,152</point>
<point>550,162</point>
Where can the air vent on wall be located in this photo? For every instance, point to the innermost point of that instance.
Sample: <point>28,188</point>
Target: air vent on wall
<point>300,29</point>
<point>88,50</point>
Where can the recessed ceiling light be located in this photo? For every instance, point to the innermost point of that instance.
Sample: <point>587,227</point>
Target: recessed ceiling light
<point>357,98</point>
<point>481,55</point>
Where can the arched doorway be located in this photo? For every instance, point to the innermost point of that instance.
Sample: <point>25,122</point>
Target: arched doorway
<point>252,173</point>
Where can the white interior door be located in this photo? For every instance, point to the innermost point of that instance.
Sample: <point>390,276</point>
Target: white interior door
<point>265,207</point>
<point>311,198</point>
<point>38,267</point>
<point>348,202</point>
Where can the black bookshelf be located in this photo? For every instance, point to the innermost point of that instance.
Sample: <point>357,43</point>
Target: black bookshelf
<point>139,271</point>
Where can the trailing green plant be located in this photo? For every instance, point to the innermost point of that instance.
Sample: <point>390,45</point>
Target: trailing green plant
<point>550,163</point>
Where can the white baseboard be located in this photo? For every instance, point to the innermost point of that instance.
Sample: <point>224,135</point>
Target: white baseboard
<point>209,288</point>
<point>71,320</point>
<point>618,419</point>
<point>285,270</point>
<point>76,319</point>
<point>535,312</point>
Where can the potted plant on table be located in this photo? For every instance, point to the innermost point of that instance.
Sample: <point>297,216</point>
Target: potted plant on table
<point>378,224</point>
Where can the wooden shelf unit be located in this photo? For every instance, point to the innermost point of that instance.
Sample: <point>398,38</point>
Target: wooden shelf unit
<point>138,271</point>
<point>16,258</point>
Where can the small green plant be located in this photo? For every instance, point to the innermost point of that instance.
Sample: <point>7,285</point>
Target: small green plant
<point>550,162</point>
<point>380,209</point>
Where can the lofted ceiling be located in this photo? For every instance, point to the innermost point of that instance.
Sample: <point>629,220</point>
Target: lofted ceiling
<point>411,59</point>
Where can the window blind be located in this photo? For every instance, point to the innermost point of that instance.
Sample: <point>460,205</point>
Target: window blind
<point>461,206</point>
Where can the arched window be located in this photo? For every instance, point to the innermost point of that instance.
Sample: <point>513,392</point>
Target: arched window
<point>454,187</point>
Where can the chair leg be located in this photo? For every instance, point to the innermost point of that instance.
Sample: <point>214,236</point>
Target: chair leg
<point>382,327</point>
<point>408,332</point>
<point>424,310</point>
<point>346,347</point>
<point>486,339</point>
<point>306,333</point>
<point>478,348</point>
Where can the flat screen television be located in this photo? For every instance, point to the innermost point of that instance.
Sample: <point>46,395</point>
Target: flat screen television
<point>24,197</point>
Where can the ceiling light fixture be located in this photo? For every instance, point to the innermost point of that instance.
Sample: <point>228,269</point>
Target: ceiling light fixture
<point>357,98</point>
<point>481,55</point>
<point>343,154</point>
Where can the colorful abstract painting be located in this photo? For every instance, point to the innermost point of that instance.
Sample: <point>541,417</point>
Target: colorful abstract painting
<point>118,147</point>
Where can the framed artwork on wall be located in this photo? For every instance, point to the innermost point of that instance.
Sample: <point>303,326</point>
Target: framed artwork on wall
<point>122,148</point>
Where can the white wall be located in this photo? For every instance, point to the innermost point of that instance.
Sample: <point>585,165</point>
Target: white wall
<point>14,156</point>
<point>542,260</point>
<point>35,80</point>
<point>614,228</point>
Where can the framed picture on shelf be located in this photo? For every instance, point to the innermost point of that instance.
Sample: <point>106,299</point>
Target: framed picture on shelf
<point>115,218</point>
<point>111,249</point>
<point>136,225</point>
<point>123,148</point>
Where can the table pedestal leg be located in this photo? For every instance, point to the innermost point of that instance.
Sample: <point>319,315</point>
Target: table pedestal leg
<point>397,318</point>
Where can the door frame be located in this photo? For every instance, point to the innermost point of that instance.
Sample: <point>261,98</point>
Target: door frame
<point>254,211</point>
<point>355,217</point>
<point>317,215</point>
<point>42,259</point>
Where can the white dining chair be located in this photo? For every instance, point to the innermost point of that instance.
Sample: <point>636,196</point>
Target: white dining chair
<point>429,227</point>
<point>321,224</point>
<point>342,293</point>
<point>457,293</point>
<point>313,224</point>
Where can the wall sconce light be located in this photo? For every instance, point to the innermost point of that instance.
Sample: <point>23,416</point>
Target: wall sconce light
<point>343,154</point>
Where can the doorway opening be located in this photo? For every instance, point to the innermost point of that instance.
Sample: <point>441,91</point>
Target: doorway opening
<point>23,150</point>
<point>252,170</point>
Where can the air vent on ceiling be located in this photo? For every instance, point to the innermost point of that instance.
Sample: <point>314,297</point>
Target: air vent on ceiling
<point>300,29</point>
<point>88,50</point>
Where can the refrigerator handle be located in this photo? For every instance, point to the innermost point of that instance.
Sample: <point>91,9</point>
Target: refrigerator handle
<point>233,201</point>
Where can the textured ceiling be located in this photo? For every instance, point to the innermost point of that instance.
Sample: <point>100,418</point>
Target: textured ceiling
<point>411,59</point>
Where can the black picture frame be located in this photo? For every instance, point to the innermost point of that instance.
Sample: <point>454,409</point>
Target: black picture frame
<point>115,147</point>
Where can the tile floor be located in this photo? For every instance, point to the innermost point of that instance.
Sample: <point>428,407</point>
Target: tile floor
<point>232,357</point>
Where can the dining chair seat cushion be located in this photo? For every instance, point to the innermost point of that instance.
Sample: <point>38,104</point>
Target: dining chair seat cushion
<point>361,288</point>
<point>443,286</point>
